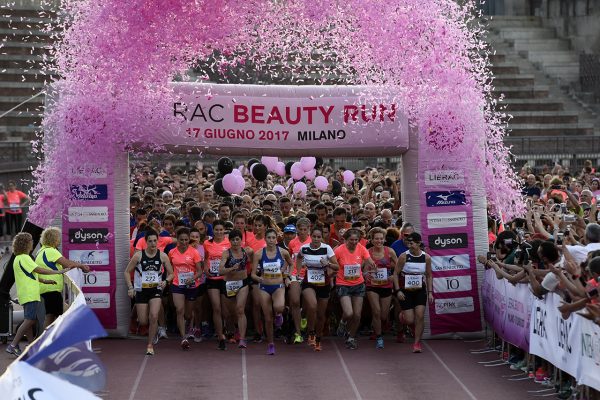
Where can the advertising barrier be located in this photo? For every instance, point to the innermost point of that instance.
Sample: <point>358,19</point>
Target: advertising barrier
<point>571,345</point>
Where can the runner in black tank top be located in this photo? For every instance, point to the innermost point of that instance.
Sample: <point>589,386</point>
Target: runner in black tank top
<point>413,286</point>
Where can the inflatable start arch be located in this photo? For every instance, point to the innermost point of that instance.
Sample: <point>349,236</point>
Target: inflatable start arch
<point>438,194</point>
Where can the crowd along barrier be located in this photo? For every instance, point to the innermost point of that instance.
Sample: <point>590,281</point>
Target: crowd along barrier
<point>536,326</point>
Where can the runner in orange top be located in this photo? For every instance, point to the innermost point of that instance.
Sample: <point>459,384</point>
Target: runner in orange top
<point>352,258</point>
<point>215,284</point>
<point>339,226</point>
<point>302,238</point>
<point>187,268</point>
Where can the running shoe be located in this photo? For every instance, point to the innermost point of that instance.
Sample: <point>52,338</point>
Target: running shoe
<point>311,340</point>
<point>518,365</point>
<point>232,340</point>
<point>198,335</point>
<point>14,350</point>
<point>222,345</point>
<point>185,345</point>
<point>190,333</point>
<point>271,349</point>
<point>379,343</point>
<point>156,339</point>
<point>303,324</point>
<point>162,332</point>
<point>341,329</point>
<point>237,335</point>
<point>243,344</point>
<point>318,344</point>
<point>298,338</point>
<point>278,320</point>
<point>257,338</point>
<point>541,375</point>
<point>149,351</point>
<point>417,348</point>
<point>351,343</point>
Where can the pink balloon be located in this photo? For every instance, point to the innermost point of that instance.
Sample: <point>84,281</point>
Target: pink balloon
<point>241,184</point>
<point>290,181</point>
<point>280,168</point>
<point>297,171</point>
<point>279,188</point>
<point>230,183</point>
<point>321,183</point>
<point>300,189</point>
<point>308,163</point>
<point>269,162</point>
<point>310,175</point>
<point>237,172</point>
<point>348,177</point>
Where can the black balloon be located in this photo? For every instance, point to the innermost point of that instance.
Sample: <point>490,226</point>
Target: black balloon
<point>218,188</point>
<point>336,188</point>
<point>260,172</point>
<point>319,163</point>
<point>251,162</point>
<point>288,168</point>
<point>225,165</point>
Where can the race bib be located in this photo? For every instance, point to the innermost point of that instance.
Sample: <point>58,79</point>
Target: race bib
<point>14,206</point>
<point>413,281</point>
<point>379,277</point>
<point>214,267</point>
<point>232,287</point>
<point>316,276</point>
<point>352,272</point>
<point>183,277</point>
<point>272,270</point>
<point>150,279</point>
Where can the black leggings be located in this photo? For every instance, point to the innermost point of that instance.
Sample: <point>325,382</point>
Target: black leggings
<point>14,223</point>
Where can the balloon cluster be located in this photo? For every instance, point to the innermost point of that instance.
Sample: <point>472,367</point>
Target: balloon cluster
<point>233,182</point>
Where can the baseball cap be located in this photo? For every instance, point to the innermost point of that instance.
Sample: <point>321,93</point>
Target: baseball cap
<point>289,228</point>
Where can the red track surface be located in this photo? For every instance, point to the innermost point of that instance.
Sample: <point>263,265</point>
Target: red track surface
<point>445,370</point>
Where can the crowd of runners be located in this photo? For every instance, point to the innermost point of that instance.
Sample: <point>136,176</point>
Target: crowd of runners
<point>289,267</point>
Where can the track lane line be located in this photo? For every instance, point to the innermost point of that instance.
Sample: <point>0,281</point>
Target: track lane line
<point>244,376</point>
<point>346,371</point>
<point>136,384</point>
<point>462,385</point>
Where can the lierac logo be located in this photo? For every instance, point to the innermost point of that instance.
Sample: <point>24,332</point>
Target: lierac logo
<point>444,177</point>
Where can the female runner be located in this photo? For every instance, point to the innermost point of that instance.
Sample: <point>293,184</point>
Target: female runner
<point>380,282</point>
<point>270,268</point>
<point>320,264</point>
<point>215,284</point>
<point>233,269</point>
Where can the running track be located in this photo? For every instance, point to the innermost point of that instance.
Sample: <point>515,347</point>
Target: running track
<point>445,370</point>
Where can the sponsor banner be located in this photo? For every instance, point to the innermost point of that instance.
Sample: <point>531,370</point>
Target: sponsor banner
<point>590,353</point>
<point>96,279</point>
<point>447,220</point>
<point>556,339</point>
<point>89,171</point>
<point>507,308</point>
<point>264,116</point>
<point>446,198</point>
<point>457,262</point>
<point>444,177</point>
<point>88,235</point>
<point>88,214</point>
<point>98,300</point>
<point>451,284</point>
<point>448,241</point>
<point>89,192</point>
<point>90,257</point>
<point>454,305</point>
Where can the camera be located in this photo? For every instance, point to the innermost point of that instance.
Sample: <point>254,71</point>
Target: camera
<point>559,237</point>
<point>569,218</point>
<point>522,253</point>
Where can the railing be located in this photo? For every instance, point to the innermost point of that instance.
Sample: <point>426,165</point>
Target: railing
<point>14,152</point>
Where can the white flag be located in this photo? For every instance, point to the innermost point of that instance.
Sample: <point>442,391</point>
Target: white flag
<point>21,381</point>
